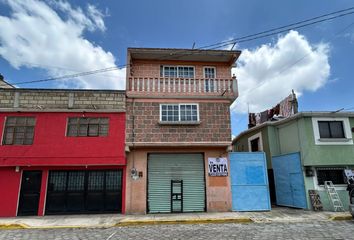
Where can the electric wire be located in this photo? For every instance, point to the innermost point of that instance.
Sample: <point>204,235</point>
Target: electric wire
<point>251,37</point>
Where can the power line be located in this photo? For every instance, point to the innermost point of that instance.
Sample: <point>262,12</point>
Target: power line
<point>73,75</point>
<point>246,38</point>
<point>231,41</point>
<point>299,60</point>
<point>284,30</point>
<point>273,31</point>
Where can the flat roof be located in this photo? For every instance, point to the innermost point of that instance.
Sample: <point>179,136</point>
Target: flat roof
<point>61,90</point>
<point>295,116</point>
<point>178,54</point>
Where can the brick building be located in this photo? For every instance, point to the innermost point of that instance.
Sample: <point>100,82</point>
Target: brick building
<point>177,118</point>
<point>61,151</point>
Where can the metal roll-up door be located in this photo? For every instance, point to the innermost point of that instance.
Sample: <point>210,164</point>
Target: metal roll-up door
<point>164,169</point>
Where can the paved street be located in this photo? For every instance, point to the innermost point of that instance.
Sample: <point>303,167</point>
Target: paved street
<point>308,230</point>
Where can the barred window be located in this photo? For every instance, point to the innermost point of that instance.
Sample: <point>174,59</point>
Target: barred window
<point>87,127</point>
<point>96,181</point>
<point>336,175</point>
<point>19,131</point>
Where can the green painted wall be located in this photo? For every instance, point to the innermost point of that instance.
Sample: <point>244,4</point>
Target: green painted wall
<point>288,135</point>
<point>298,136</point>
<point>327,205</point>
<point>325,155</point>
<point>242,144</point>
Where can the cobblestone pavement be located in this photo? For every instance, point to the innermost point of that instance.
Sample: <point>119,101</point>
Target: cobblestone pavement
<point>308,230</point>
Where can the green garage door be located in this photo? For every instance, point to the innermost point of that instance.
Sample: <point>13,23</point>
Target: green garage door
<point>176,183</point>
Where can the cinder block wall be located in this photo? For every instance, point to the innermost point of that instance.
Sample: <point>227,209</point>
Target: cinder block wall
<point>49,99</point>
<point>214,124</point>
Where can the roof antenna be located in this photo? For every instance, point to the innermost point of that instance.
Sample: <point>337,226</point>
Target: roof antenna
<point>193,45</point>
<point>341,109</point>
<point>233,46</point>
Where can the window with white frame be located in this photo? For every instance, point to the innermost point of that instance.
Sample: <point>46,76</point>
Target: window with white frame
<point>209,75</point>
<point>255,143</point>
<point>332,131</point>
<point>179,112</point>
<point>177,71</point>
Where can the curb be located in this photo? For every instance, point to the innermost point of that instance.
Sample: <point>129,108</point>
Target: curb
<point>341,218</point>
<point>182,221</point>
<point>127,223</point>
<point>11,226</point>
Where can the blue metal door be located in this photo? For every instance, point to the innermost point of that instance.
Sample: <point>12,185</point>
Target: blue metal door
<point>289,181</point>
<point>249,181</point>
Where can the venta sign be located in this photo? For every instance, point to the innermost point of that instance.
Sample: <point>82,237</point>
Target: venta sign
<point>217,167</point>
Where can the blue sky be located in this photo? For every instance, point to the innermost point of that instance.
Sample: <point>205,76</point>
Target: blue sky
<point>50,38</point>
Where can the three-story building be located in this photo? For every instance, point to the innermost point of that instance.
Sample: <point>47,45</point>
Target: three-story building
<point>178,117</point>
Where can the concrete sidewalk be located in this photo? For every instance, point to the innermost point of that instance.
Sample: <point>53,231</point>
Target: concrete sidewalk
<point>112,220</point>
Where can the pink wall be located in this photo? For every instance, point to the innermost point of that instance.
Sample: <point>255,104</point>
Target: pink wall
<point>51,147</point>
<point>9,189</point>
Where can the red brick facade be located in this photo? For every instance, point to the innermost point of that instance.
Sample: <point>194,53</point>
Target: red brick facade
<point>210,134</point>
<point>214,124</point>
<point>152,68</point>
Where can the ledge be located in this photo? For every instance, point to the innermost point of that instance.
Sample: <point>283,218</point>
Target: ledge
<point>178,144</point>
<point>334,139</point>
<point>180,123</point>
<point>84,110</point>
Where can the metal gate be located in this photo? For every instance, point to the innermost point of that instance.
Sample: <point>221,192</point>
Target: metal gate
<point>249,181</point>
<point>30,192</point>
<point>176,183</point>
<point>289,181</point>
<point>94,191</point>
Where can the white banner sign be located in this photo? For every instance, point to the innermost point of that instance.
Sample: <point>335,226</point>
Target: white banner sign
<point>217,167</point>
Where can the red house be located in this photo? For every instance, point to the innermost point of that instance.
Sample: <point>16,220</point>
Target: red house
<point>61,151</point>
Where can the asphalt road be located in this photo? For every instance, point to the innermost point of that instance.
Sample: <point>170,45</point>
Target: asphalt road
<point>308,230</point>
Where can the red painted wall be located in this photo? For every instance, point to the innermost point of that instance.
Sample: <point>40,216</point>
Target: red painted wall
<point>9,189</point>
<point>52,148</point>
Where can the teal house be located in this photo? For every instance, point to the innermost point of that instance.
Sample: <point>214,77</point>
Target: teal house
<point>303,151</point>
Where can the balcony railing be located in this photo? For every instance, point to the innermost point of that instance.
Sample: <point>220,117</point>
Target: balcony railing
<point>183,86</point>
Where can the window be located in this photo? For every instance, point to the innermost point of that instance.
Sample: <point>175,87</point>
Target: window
<point>255,145</point>
<point>179,113</point>
<point>87,127</point>
<point>336,175</point>
<point>19,131</point>
<point>177,71</point>
<point>209,75</point>
<point>209,72</point>
<point>331,129</point>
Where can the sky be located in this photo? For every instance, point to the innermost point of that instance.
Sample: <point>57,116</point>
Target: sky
<point>43,39</point>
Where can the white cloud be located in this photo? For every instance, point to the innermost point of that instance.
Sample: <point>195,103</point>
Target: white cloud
<point>350,36</point>
<point>268,73</point>
<point>50,35</point>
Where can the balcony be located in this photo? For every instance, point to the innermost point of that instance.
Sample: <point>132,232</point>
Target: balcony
<point>182,87</point>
